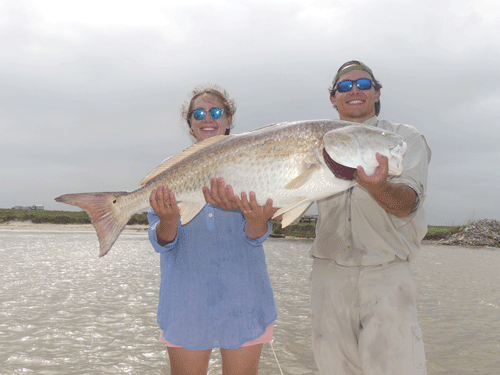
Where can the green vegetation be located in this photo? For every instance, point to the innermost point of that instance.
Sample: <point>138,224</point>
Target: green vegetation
<point>300,230</point>
<point>304,229</point>
<point>57,217</point>
<point>436,233</point>
<point>42,216</point>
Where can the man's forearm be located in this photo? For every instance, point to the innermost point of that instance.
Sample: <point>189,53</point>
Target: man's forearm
<point>397,199</point>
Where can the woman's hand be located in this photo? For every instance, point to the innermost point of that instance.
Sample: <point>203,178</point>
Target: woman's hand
<point>222,195</point>
<point>162,201</point>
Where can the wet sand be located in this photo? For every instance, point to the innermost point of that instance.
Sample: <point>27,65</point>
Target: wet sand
<point>29,226</point>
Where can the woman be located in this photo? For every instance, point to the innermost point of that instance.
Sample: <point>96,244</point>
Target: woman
<point>215,290</point>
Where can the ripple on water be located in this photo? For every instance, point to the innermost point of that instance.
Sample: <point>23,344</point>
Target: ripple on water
<point>64,310</point>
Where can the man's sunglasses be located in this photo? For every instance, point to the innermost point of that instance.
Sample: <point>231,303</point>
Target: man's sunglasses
<point>215,113</point>
<point>362,84</point>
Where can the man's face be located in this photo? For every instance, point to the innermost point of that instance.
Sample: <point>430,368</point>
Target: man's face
<point>355,105</point>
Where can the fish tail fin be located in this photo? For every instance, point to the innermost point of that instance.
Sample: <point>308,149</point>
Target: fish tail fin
<point>107,217</point>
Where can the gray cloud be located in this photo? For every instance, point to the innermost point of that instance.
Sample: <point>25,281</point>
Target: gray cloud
<point>90,98</point>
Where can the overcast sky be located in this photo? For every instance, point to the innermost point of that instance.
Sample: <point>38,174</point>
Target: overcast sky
<point>90,92</point>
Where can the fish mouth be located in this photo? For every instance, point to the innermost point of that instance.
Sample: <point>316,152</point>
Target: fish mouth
<point>339,170</point>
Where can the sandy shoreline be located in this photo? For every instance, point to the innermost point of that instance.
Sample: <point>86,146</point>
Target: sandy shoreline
<point>29,226</point>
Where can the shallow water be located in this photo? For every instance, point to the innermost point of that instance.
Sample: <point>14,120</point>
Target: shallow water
<point>63,310</point>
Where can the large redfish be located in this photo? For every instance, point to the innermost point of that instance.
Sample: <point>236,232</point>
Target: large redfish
<point>293,163</point>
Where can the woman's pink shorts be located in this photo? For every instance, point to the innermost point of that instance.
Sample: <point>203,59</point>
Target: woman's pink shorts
<point>267,336</point>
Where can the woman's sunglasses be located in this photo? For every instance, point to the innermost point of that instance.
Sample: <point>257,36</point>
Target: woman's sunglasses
<point>215,113</point>
<point>362,84</point>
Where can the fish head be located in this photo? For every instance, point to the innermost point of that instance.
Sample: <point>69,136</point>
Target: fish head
<point>356,145</point>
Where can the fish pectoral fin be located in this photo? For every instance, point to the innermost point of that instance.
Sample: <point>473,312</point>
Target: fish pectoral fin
<point>189,210</point>
<point>293,212</point>
<point>302,178</point>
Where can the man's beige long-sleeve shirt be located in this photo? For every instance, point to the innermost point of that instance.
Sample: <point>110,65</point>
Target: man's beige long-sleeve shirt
<point>354,230</point>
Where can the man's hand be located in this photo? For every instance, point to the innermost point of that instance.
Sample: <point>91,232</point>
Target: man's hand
<point>397,199</point>
<point>378,179</point>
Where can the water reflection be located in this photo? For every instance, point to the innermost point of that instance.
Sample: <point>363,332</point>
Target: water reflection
<point>64,310</point>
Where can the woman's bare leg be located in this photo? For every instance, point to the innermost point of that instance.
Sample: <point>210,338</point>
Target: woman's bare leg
<point>241,361</point>
<point>188,362</point>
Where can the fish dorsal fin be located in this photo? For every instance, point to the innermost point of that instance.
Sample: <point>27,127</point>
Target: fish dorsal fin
<point>181,156</point>
<point>293,212</point>
<point>189,210</point>
<point>264,127</point>
<point>302,178</point>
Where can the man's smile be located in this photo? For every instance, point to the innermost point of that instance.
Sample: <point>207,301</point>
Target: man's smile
<point>355,101</point>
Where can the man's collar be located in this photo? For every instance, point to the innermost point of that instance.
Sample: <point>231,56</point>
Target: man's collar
<point>373,121</point>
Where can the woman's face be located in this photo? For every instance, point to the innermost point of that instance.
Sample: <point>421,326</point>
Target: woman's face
<point>208,127</point>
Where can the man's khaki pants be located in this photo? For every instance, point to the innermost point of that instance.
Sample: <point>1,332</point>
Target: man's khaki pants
<point>364,320</point>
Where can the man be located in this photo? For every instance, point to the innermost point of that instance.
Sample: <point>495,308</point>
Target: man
<point>363,296</point>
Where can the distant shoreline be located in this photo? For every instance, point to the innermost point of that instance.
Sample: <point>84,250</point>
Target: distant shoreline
<point>12,219</point>
<point>65,221</point>
<point>28,226</point>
